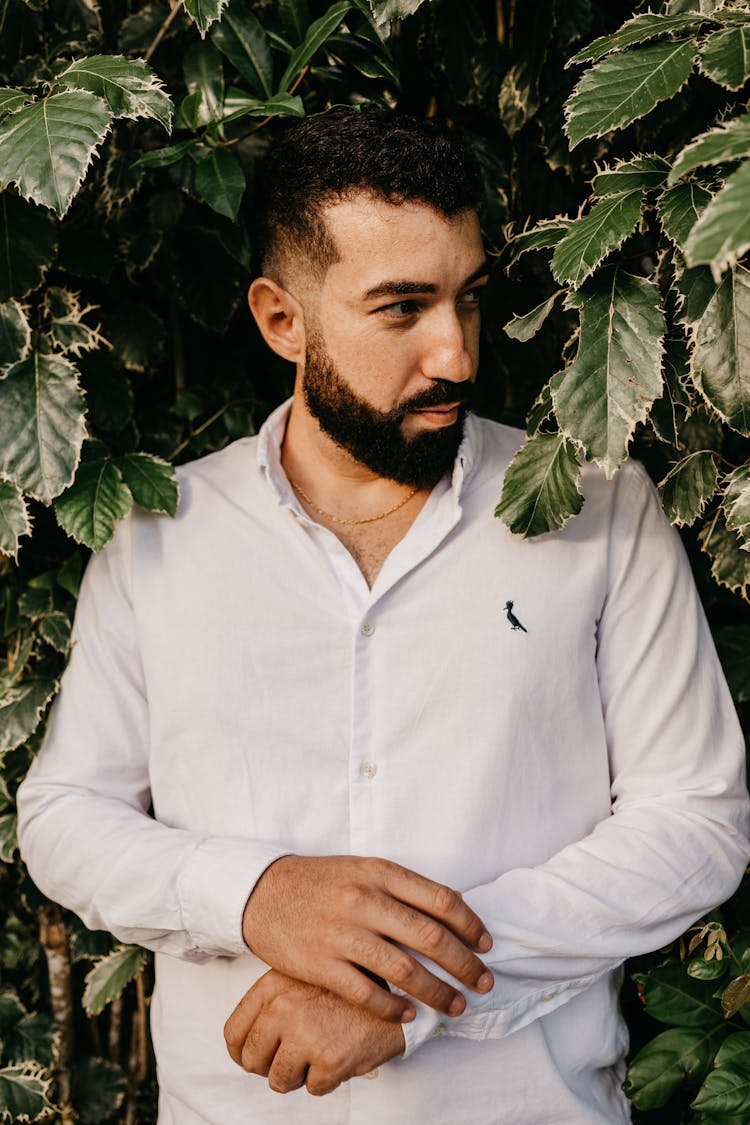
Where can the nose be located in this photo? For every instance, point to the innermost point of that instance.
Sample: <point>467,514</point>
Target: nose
<point>450,349</point>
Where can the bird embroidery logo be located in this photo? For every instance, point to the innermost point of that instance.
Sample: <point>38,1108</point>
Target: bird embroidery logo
<point>515,623</point>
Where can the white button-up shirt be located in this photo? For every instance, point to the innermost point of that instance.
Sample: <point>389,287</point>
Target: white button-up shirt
<point>581,782</point>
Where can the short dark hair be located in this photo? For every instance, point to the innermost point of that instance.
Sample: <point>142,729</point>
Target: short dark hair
<point>332,156</point>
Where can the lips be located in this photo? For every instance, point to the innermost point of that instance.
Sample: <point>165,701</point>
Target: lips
<point>440,415</point>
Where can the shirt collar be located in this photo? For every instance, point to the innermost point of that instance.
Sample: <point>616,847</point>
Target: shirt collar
<point>271,435</point>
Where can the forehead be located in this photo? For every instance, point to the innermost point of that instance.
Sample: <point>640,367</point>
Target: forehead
<point>378,241</point>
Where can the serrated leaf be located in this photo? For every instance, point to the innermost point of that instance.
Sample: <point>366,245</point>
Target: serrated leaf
<point>725,57</point>
<point>163,157</point>
<point>730,141</point>
<point>46,148</point>
<point>90,945</point>
<point>616,375</point>
<point>27,246</point>
<point>12,99</point>
<point>238,104</point>
<point>20,716</point>
<point>109,977</point>
<point>542,236</point>
<point>152,482</point>
<point>623,87</point>
<point>221,182</point>
<point>23,1093</point>
<point>42,424</point>
<point>128,86</point>
<point>35,602</point>
<point>386,10</point>
<point>722,234</point>
<point>315,37</point>
<point>14,518</point>
<point>15,333</point>
<point>730,565</point>
<point>639,29</point>
<point>8,837</point>
<point>593,236</point>
<point>737,501</point>
<point>720,363</point>
<point>98,1088</point>
<point>733,647</point>
<point>540,489</point>
<point>11,1010</point>
<point>540,410</point>
<point>204,12</point>
<point>524,327</point>
<point>687,488</point>
<point>96,500</point>
<point>33,1037</point>
<point>735,995</point>
<point>55,629</point>
<point>668,1061</point>
<point>727,1088</point>
<point>644,172</point>
<point>204,72</point>
<point>695,290</point>
<point>672,997</point>
<point>241,38</point>
<point>679,208</point>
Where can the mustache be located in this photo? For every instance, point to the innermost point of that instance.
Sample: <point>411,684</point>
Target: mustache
<point>439,395</point>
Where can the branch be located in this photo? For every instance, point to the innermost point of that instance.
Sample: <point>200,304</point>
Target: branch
<point>162,30</point>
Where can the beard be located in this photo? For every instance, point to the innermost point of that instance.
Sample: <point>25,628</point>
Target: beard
<point>376,439</point>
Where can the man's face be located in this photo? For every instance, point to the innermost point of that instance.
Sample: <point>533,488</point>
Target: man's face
<point>393,336</point>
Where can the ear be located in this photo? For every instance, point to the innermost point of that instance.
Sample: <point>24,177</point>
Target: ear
<point>279,317</point>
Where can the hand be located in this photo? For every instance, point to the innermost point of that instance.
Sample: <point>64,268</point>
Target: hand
<point>317,919</point>
<point>297,1035</point>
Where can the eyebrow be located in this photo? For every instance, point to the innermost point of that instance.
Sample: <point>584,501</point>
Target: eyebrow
<point>407,288</point>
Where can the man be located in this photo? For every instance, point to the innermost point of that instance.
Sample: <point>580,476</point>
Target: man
<point>315,662</point>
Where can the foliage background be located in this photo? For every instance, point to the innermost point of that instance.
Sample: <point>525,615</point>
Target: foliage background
<point>126,346</point>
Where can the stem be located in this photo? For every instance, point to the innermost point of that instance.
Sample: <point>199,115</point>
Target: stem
<point>162,31</point>
<point>178,349</point>
<point>265,120</point>
<point>54,941</point>
<point>204,425</point>
<point>140,1020</point>
<point>115,1028</point>
<point>6,5</point>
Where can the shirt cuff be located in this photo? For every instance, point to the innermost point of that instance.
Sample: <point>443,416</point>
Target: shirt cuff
<point>213,888</point>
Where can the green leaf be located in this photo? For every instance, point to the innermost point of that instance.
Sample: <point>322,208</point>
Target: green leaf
<point>733,647</point>
<point>11,1010</point>
<point>98,1090</point>
<point>593,236</point>
<point>12,99</point>
<point>725,57</point>
<point>152,482</point>
<point>701,969</point>
<point>46,148</point>
<point>14,518</point>
<point>27,246</point>
<point>95,501</point>
<point>8,837</point>
<point>317,33</point>
<point>737,501</point>
<point>90,945</point>
<point>386,10</point>
<point>730,566</point>
<point>524,327</point>
<point>204,12</point>
<point>668,1061</point>
<point>15,334</point>
<point>616,375</point>
<point>23,1093</point>
<point>679,208</point>
<point>687,488</point>
<point>730,141</point>
<point>42,424</point>
<point>540,411</point>
<point>20,715</point>
<point>695,290</point>
<point>240,36</point>
<point>671,996</point>
<point>69,574</point>
<point>540,489</point>
<point>644,172</point>
<point>295,17</point>
<point>221,182</point>
<point>188,112</point>
<point>544,235</point>
<point>239,104</point>
<point>720,364</point>
<point>128,86</point>
<point>33,1037</point>
<point>722,234</point>
<point>204,72</point>
<point>55,629</point>
<point>35,602</point>
<point>727,1088</point>
<point>640,29</point>
<point>163,157</point>
<point>108,978</point>
<point>624,87</point>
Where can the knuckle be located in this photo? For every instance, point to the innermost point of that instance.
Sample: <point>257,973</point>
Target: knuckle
<point>401,969</point>
<point>353,897</point>
<point>431,936</point>
<point>446,899</point>
<point>363,991</point>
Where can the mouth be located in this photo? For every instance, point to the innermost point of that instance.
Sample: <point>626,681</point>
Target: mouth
<point>443,415</point>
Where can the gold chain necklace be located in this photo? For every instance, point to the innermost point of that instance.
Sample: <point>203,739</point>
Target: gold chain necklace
<point>337,519</point>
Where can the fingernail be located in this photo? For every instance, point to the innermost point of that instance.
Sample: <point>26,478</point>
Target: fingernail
<point>457,1006</point>
<point>408,1015</point>
<point>484,943</point>
<point>485,982</point>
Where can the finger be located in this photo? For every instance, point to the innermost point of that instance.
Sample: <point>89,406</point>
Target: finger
<point>350,984</point>
<point>320,1081</point>
<point>260,1049</point>
<point>238,1026</point>
<point>438,901</point>
<point>288,1070</point>
<point>405,972</point>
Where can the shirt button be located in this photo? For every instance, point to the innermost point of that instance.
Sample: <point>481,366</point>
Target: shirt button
<point>548,996</point>
<point>372,1073</point>
<point>367,628</point>
<point>438,1029</point>
<point>368,770</point>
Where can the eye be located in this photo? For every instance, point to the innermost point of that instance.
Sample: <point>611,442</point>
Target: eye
<point>472,297</point>
<point>401,310</point>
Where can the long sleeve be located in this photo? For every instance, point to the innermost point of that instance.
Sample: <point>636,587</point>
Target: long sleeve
<point>84,826</point>
<point>675,844</point>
